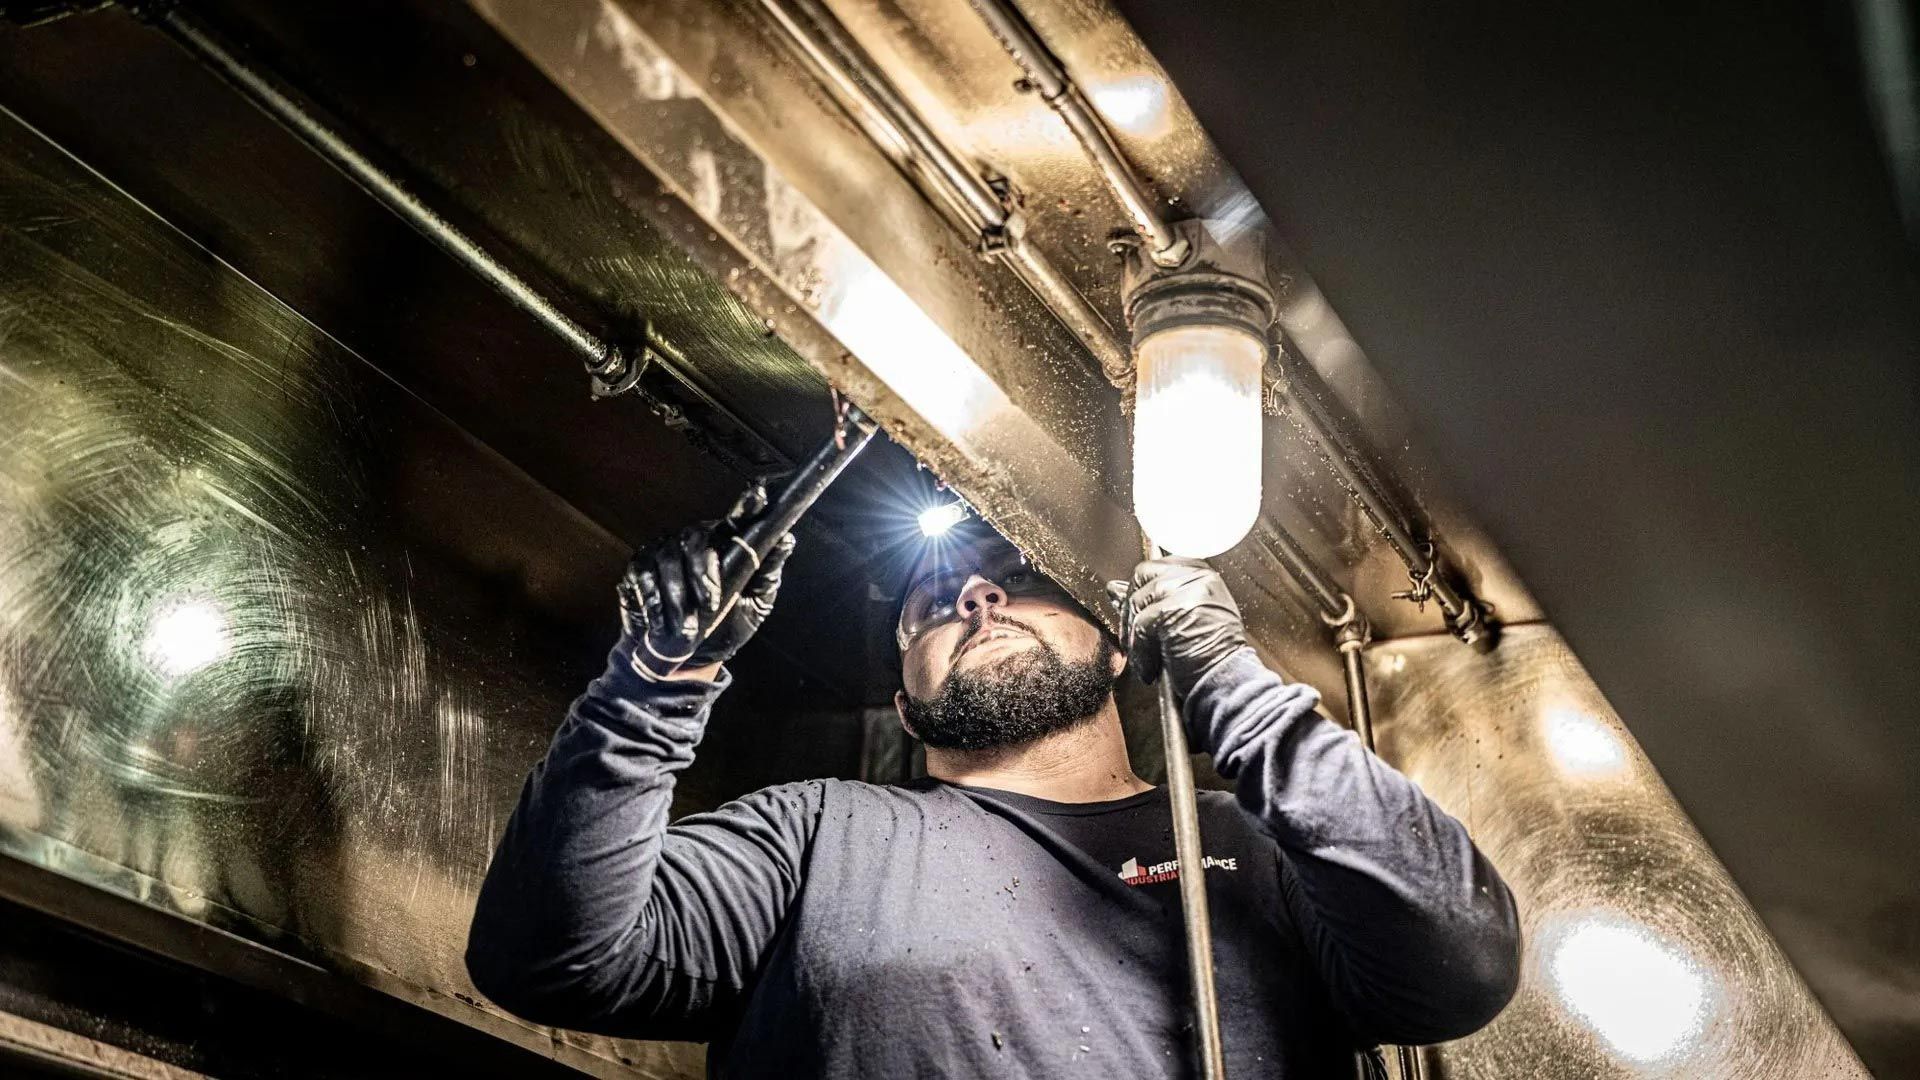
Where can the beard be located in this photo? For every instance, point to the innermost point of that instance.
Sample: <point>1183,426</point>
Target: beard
<point>1015,699</point>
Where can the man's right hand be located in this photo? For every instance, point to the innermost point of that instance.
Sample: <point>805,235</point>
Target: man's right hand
<point>672,586</point>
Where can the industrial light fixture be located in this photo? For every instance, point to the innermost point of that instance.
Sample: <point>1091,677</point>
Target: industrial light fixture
<point>936,520</point>
<point>1199,345</point>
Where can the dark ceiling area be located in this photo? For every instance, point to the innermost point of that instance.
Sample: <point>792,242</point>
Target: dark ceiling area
<point>1639,271</point>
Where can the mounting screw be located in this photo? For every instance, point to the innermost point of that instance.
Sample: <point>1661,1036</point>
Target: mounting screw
<point>616,372</point>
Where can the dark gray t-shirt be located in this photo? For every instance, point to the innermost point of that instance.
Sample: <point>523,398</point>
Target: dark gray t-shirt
<point>835,928</point>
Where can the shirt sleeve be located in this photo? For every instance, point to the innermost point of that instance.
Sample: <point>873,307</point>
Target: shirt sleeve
<point>1412,930</point>
<point>596,914</point>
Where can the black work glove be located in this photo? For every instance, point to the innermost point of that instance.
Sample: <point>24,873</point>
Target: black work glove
<point>672,587</point>
<point>1180,619</point>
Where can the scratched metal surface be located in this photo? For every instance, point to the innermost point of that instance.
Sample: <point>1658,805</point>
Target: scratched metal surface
<point>1643,960</point>
<point>277,641</point>
<point>225,174</point>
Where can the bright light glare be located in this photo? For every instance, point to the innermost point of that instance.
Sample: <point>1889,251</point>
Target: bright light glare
<point>1643,996</point>
<point>936,520</point>
<point>1136,104</point>
<point>1196,437</point>
<point>878,322</point>
<point>1582,745</point>
<point>185,636</point>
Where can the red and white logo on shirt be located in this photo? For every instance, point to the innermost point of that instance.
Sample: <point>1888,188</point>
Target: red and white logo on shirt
<point>1133,873</point>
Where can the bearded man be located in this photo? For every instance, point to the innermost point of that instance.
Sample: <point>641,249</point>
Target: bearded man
<point>1013,914</point>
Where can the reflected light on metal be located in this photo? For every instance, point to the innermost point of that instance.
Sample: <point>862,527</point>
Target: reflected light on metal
<point>878,322</point>
<point>1135,104</point>
<point>185,635</point>
<point>1644,962</point>
<point>249,673</point>
<point>1644,996</point>
<point>1582,746</point>
<point>936,520</point>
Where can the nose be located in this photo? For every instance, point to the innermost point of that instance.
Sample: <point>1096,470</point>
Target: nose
<point>979,595</point>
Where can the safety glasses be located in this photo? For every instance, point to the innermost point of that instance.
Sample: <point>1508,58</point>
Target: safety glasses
<point>934,600</point>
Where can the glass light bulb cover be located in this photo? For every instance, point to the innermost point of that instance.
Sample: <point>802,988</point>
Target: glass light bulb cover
<point>1196,437</point>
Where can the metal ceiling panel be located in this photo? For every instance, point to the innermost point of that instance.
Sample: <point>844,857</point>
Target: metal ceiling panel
<point>1642,957</point>
<point>263,664</point>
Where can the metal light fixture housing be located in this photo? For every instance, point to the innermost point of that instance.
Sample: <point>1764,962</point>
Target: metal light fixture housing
<point>1200,334</point>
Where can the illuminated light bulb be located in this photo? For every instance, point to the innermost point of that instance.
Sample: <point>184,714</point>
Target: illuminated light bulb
<point>1582,745</point>
<point>184,636</point>
<point>936,520</point>
<point>1644,997</point>
<point>1196,436</point>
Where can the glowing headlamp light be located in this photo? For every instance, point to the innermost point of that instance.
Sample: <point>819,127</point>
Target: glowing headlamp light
<point>936,520</point>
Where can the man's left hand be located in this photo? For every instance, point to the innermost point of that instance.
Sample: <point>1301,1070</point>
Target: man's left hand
<point>1183,622</point>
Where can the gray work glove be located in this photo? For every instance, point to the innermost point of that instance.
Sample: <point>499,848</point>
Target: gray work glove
<point>672,587</point>
<point>1181,620</point>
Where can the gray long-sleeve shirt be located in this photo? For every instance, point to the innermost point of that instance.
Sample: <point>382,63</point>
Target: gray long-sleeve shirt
<point>835,928</point>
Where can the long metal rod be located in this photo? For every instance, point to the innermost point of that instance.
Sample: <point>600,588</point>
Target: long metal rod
<point>1193,885</point>
<point>1334,603</point>
<point>1379,509</point>
<point>833,50</point>
<point>852,431</point>
<point>1359,711</point>
<point>891,121</point>
<point>599,355</point>
<point>1051,81</point>
<point>203,43</point>
<point>1351,635</point>
<point>1188,851</point>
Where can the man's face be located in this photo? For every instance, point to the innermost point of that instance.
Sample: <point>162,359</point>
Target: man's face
<point>992,652</point>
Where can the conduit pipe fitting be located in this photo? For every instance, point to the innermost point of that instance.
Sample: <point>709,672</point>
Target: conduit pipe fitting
<point>611,368</point>
<point>1351,635</point>
<point>1428,577</point>
<point>976,205</point>
<point>1044,75</point>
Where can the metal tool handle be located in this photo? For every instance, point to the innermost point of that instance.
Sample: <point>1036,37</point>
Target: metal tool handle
<point>1193,876</point>
<point>851,434</point>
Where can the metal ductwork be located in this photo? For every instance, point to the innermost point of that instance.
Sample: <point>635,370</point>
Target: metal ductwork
<point>346,351</point>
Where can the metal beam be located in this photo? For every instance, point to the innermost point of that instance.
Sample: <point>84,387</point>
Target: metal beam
<point>850,265</point>
<point>614,366</point>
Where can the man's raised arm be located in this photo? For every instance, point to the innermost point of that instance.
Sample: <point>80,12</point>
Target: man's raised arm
<point>596,914</point>
<point>1413,931</point>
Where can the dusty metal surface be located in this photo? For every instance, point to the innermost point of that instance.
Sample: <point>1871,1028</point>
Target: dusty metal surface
<point>208,161</point>
<point>828,240</point>
<point>601,210</point>
<point>265,659</point>
<point>1642,958</point>
<point>30,1043</point>
<point>834,245</point>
